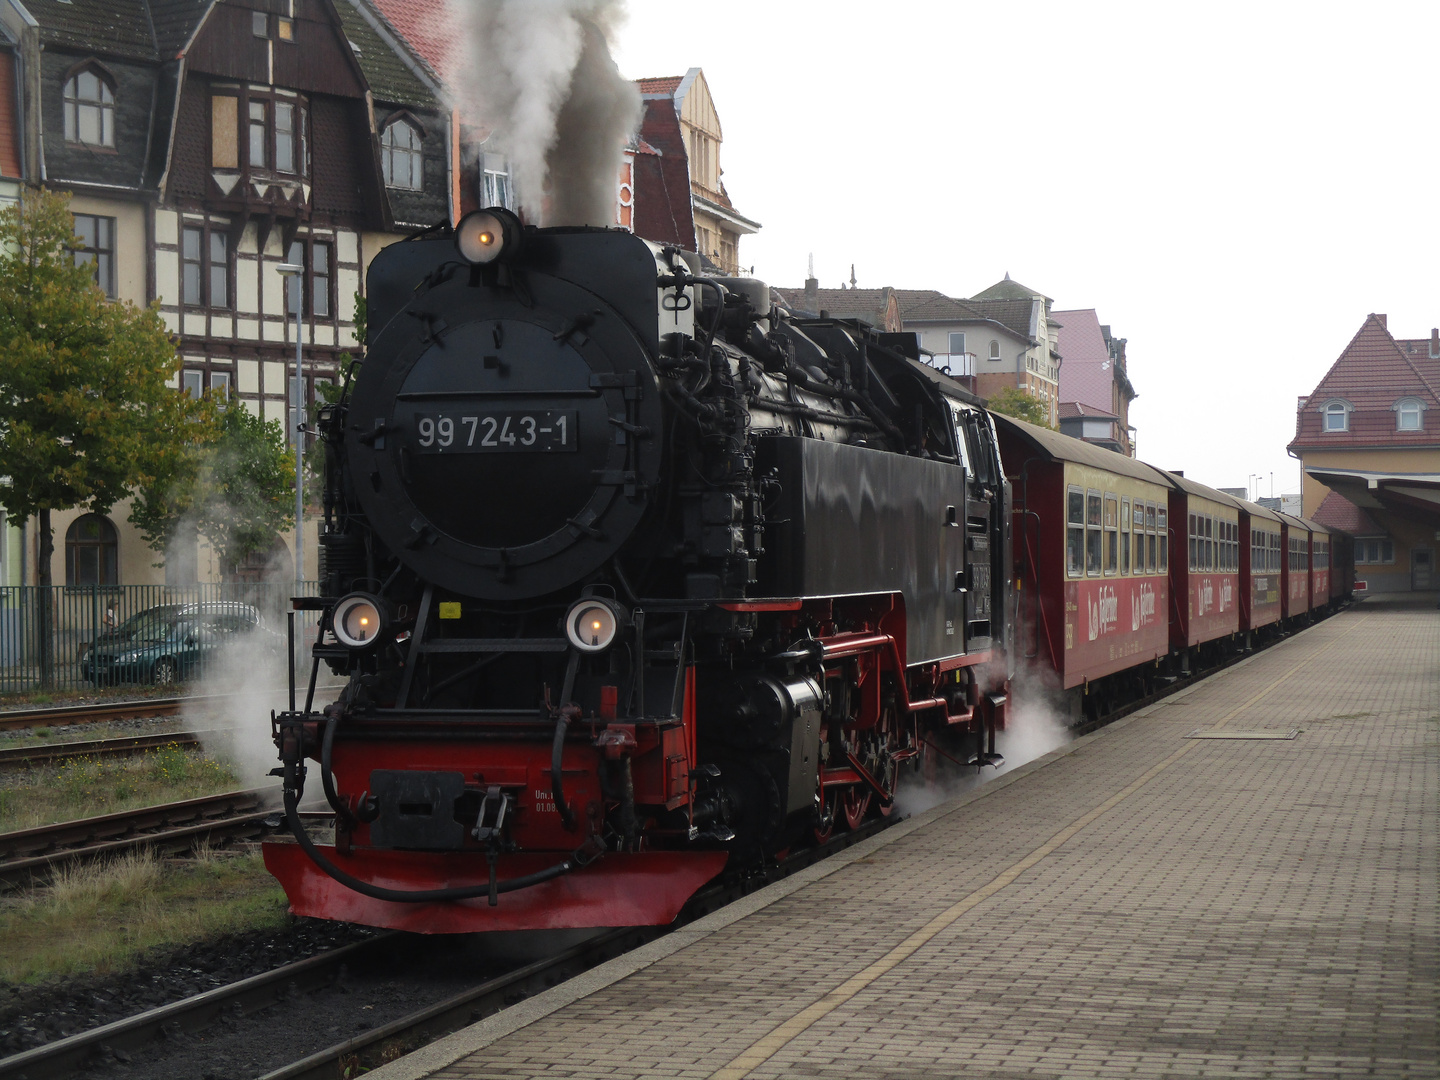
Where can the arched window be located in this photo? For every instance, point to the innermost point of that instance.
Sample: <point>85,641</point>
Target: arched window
<point>89,108</point>
<point>994,350</point>
<point>1409,414</point>
<point>1336,416</point>
<point>400,156</point>
<point>92,552</point>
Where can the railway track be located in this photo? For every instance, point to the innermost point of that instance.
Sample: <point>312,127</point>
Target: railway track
<point>365,1051</point>
<point>41,753</point>
<point>139,709</point>
<point>169,829</point>
<point>143,709</point>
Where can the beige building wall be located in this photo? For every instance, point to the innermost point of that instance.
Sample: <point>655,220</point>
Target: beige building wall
<point>1407,536</point>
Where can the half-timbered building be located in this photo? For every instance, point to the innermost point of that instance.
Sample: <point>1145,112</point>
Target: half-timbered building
<point>205,143</point>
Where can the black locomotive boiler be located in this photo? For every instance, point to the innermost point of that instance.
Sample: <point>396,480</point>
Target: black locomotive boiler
<point>632,575</point>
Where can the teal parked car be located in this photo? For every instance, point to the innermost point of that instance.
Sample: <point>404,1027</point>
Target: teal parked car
<point>172,642</point>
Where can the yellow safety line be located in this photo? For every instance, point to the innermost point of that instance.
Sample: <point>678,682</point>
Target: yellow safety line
<point>767,1047</point>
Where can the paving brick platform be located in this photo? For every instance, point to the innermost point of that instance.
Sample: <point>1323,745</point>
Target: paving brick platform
<point>1134,904</point>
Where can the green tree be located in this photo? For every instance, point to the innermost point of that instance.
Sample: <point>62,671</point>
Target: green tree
<point>1012,401</point>
<point>85,410</point>
<point>237,490</point>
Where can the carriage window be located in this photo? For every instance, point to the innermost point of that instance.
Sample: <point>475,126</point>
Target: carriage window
<point>1075,533</point>
<point>1207,548</point>
<point>1093,533</point>
<point>1125,536</point>
<point>1162,528</point>
<point>1194,541</point>
<point>1149,538</point>
<point>1112,538</point>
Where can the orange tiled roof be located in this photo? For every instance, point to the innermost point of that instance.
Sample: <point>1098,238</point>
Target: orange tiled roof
<point>666,84</point>
<point>1371,375</point>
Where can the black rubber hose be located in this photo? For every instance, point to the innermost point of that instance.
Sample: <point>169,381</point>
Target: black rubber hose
<point>327,779</point>
<point>402,896</point>
<point>557,782</point>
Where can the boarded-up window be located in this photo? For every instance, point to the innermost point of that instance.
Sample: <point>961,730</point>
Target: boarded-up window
<point>224,133</point>
<point>9,121</point>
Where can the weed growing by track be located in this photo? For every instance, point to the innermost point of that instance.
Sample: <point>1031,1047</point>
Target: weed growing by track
<point>87,786</point>
<point>102,917</point>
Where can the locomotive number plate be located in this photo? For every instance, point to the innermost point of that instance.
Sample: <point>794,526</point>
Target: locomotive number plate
<point>497,432</point>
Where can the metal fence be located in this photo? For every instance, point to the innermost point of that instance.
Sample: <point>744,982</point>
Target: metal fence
<point>46,645</point>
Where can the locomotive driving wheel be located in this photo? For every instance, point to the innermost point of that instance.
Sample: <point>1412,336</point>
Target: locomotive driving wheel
<point>824,826</point>
<point>856,804</point>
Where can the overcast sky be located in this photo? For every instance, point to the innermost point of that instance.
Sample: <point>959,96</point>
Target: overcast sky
<point>1232,186</point>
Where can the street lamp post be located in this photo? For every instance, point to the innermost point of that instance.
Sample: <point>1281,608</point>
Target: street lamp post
<point>291,273</point>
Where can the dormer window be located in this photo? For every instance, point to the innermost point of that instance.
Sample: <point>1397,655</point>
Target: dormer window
<point>277,130</point>
<point>400,156</point>
<point>1335,416</point>
<point>1409,414</point>
<point>89,108</point>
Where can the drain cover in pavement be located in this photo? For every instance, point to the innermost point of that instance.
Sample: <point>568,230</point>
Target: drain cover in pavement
<point>1244,734</point>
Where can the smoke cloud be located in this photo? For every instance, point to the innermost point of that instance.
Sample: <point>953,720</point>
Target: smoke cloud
<point>540,75</point>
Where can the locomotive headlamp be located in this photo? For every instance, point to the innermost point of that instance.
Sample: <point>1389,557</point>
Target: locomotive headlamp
<point>593,623</point>
<point>486,235</point>
<point>358,621</point>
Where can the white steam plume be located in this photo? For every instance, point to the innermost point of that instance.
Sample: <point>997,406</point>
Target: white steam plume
<point>540,75</point>
<point>1036,725</point>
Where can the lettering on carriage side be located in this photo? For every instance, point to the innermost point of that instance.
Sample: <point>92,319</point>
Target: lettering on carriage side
<point>1204,596</point>
<point>1104,611</point>
<point>1142,606</point>
<point>1227,598</point>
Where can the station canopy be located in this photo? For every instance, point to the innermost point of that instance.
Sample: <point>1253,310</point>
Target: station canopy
<point>1409,496</point>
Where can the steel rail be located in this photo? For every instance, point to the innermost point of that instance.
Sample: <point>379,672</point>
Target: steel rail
<point>142,709</point>
<point>41,753</point>
<point>139,709</point>
<point>167,829</point>
<point>65,1056</point>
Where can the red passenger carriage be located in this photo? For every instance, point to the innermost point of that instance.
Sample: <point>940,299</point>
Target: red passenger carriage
<point>1205,564</point>
<point>1295,583</point>
<point>1319,565</point>
<point>1261,557</point>
<point>1090,560</point>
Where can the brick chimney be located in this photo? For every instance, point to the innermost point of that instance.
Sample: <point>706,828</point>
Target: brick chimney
<point>1381,319</point>
<point>1435,343</point>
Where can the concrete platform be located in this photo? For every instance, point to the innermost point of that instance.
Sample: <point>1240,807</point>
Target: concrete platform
<point>1134,904</point>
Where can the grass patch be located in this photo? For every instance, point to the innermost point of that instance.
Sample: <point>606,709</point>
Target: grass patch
<point>101,917</point>
<point>87,786</point>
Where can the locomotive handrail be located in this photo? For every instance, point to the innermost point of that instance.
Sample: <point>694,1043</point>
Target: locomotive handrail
<point>1032,560</point>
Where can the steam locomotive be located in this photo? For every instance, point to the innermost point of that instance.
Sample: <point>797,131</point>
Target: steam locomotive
<point>633,576</point>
